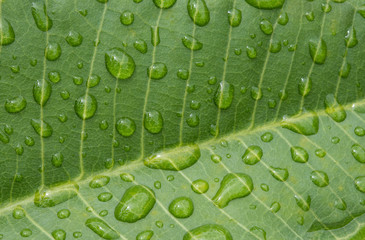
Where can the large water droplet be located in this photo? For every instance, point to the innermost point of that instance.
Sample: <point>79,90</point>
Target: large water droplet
<point>304,86</point>
<point>200,186</point>
<point>127,18</point>
<point>175,159</point>
<point>304,204</point>
<point>53,51</point>
<point>358,152</point>
<point>224,95</point>
<point>208,231</point>
<point>101,228</point>
<point>42,91</point>
<point>74,38</point>
<point>145,235</point>
<point>191,43</point>
<point>233,186</point>
<point>7,35</point>
<point>51,197</point>
<point>318,50</point>
<point>125,126</point>
<point>85,106</point>
<point>319,178</point>
<point>135,204</point>
<point>266,4</point>
<point>153,121</point>
<point>41,127</point>
<point>41,18</point>
<point>252,155</point>
<point>15,105</point>
<point>334,109</point>
<point>234,17</point>
<point>299,154</point>
<point>199,12</point>
<point>156,71</point>
<point>164,3</point>
<point>306,125</point>
<point>350,38</point>
<point>119,63</point>
<point>360,183</point>
<point>99,181</point>
<point>181,207</point>
<point>280,174</point>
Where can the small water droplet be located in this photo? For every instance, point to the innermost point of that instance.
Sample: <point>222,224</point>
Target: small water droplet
<point>280,174</point>
<point>53,51</point>
<point>51,197</point>
<point>140,45</point>
<point>63,213</point>
<point>267,137</point>
<point>251,52</point>
<point>181,207</point>
<point>359,131</point>
<point>252,155</point>
<point>105,196</point>
<point>266,27</point>
<point>15,105</point>
<point>145,235</point>
<point>319,178</point>
<point>299,154</point>
<point>26,232</point>
<point>200,186</point>
<point>59,234</point>
<point>191,43</point>
<point>125,126</point>
<point>208,231</point>
<point>127,18</point>
<point>156,71</point>
<point>304,86</point>
<point>283,18</point>
<point>350,38</point>
<point>57,159</point>
<point>193,120</point>
<point>7,35</point>
<point>275,207</point>
<point>360,183</point>
<point>307,125</point>
<point>18,212</point>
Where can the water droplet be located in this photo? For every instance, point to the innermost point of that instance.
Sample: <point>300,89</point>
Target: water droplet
<point>191,43</point>
<point>195,105</point>
<point>65,95</point>
<point>360,183</point>
<point>299,154</point>
<point>266,27</point>
<point>85,106</point>
<point>334,109</point>
<point>283,19</point>
<point>326,7</point>
<point>125,126</point>
<point>280,174</point>
<point>53,51</point>
<point>155,36</point>
<point>74,38</point>
<point>193,120</point>
<point>15,105</point>
<point>224,95</point>
<point>42,91</point>
<point>264,187</point>
<point>340,204</point>
<point>275,207</point>
<point>304,86</point>
<point>256,93</point>
<point>51,197</point>
<point>275,46</point>
<point>266,4</point>
<point>157,185</point>
<point>345,70</point>
<point>119,63</point>
<point>198,12</point>
<point>361,10</point>
<point>54,76</point>
<point>251,52</point>
<point>41,127</point>
<point>93,80</point>
<point>358,152</point>
<point>320,153</point>
<point>271,103</point>
<point>29,141</point>
<point>208,231</point>
<point>267,137</point>
<point>216,158</point>
<point>57,159</point>
<point>145,235</point>
<point>350,38</point>
<point>127,18</point>
<point>77,234</point>
<point>63,213</point>
<point>233,186</point>
<point>318,50</point>
<point>99,181</point>
<point>101,228</point>
<point>309,16</point>
<point>135,204</point>
<point>59,234</point>
<point>319,178</point>
<point>359,131</point>
<point>175,159</point>
<point>306,125</point>
<point>238,51</point>
<point>234,17</point>
<point>26,232</point>
<point>181,207</point>
<point>7,35</point>
<point>157,71</point>
<point>18,212</point>
<point>140,45</point>
<point>40,16</point>
<point>164,3</point>
<point>252,155</point>
<point>105,196</point>
<point>200,186</point>
<point>127,177</point>
<point>153,121</point>
<point>304,204</point>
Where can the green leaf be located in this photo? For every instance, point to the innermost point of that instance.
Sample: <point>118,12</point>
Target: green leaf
<point>182,119</point>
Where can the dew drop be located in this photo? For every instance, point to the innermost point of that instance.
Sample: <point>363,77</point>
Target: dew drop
<point>200,186</point>
<point>15,105</point>
<point>191,43</point>
<point>304,204</point>
<point>359,131</point>
<point>267,137</point>
<point>234,17</point>
<point>157,71</point>
<point>40,16</point>
<point>275,46</point>
<point>224,95</point>
<point>320,153</point>
<point>299,154</point>
<point>85,106</point>
<point>119,63</point>
<point>309,16</point>
<point>208,231</point>
<point>127,18</point>
<point>360,183</point>
<point>266,27</point>
<point>145,235</point>
<point>125,126</point>
<point>350,38</point>
<point>252,155</point>
<point>164,3</point>
<point>266,4</point>
<point>140,45</point>
<point>318,50</point>
<point>18,212</point>
<point>105,196</point>
<point>59,234</point>
<point>345,70</point>
<point>198,12</point>
<point>74,38</point>
<point>26,232</point>
<point>283,19</point>
<point>29,141</point>
<point>319,178</point>
<point>41,127</point>
<point>51,197</point>
<point>275,207</point>
<point>7,35</point>
<point>99,181</point>
<point>358,152</point>
<point>304,86</point>
<point>251,52</point>
<point>127,177</point>
<point>193,120</point>
<point>280,174</point>
<point>256,93</point>
<point>155,36</point>
<point>42,90</point>
<point>307,125</point>
<point>153,121</point>
<point>183,74</point>
<point>340,204</point>
<point>101,228</point>
<point>181,207</point>
<point>334,109</point>
<point>57,159</point>
<point>53,51</point>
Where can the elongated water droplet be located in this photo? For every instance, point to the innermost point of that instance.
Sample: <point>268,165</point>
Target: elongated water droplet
<point>234,17</point>
<point>59,234</point>
<point>266,27</point>
<point>125,126</point>
<point>164,3</point>
<point>176,159</point>
<point>334,109</point>
<point>153,121</point>
<point>191,43</point>
<point>350,38</point>
<point>360,183</point>
<point>156,71</point>
<point>7,35</point>
<point>181,207</point>
<point>101,228</point>
<point>200,186</point>
<point>304,204</point>
<point>266,4</point>
<point>358,152</point>
<point>74,38</point>
<point>140,45</point>
<point>233,186</point>
<point>208,231</point>
<point>252,155</point>
<point>304,86</point>
<point>319,178</point>
<point>155,36</point>
<point>224,95</point>
<point>99,181</point>
<point>318,50</point>
<point>85,106</point>
<point>280,174</point>
<point>42,91</point>
<point>40,16</point>
<point>119,63</point>
<point>199,12</point>
<point>299,154</point>
<point>306,125</point>
<point>135,204</point>
<point>53,51</point>
<point>15,105</point>
<point>51,197</point>
<point>193,120</point>
<point>345,70</point>
<point>41,127</point>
